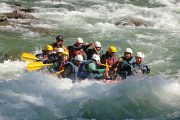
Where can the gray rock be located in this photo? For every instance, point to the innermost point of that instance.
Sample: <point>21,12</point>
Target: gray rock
<point>131,22</point>
<point>3,18</point>
<point>28,10</point>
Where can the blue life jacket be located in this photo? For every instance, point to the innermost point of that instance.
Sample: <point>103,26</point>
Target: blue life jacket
<point>74,71</point>
<point>143,68</point>
<point>83,73</point>
<point>129,60</point>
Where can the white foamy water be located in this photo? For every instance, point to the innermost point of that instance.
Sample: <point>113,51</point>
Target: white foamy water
<point>11,69</point>
<point>5,8</point>
<point>34,95</point>
<point>53,98</point>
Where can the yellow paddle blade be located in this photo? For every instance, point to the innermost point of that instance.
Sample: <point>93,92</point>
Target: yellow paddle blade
<point>28,57</point>
<point>56,73</point>
<point>60,72</point>
<point>105,65</point>
<point>36,66</point>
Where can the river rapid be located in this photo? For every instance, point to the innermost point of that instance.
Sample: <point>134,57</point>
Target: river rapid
<point>150,26</point>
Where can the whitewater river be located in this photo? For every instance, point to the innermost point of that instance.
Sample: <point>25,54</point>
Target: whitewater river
<point>35,96</point>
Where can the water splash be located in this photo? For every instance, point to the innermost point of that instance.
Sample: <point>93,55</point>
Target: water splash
<point>135,98</point>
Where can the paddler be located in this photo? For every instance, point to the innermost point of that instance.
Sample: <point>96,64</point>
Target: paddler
<point>78,48</point>
<point>137,66</point>
<point>89,69</point>
<point>47,55</point>
<point>95,50</point>
<point>128,55</point>
<point>59,43</point>
<point>71,68</point>
<point>123,65</point>
<point>109,58</point>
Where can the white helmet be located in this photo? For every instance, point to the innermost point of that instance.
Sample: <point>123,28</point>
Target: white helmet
<point>60,50</point>
<point>97,44</point>
<point>79,57</point>
<point>79,40</point>
<point>96,57</point>
<point>129,50</point>
<point>140,54</point>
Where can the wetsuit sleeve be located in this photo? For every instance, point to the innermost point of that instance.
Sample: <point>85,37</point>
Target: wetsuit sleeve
<point>92,67</point>
<point>85,47</point>
<point>145,69</point>
<point>98,73</point>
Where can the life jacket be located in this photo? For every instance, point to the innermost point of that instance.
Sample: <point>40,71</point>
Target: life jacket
<point>77,52</point>
<point>143,68</point>
<point>129,60</point>
<point>73,72</point>
<point>73,51</point>
<point>83,73</point>
<point>61,65</point>
<point>110,60</point>
<point>123,68</point>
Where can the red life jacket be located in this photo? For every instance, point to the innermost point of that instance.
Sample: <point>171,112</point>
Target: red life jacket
<point>61,65</point>
<point>111,60</point>
<point>77,52</point>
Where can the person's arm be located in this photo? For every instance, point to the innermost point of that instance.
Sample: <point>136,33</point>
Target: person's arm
<point>65,49</point>
<point>87,45</point>
<point>99,73</point>
<point>92,67</point>
<point>145,69</point>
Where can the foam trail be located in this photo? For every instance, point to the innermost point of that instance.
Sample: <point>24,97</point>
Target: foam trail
<point>11,69</point>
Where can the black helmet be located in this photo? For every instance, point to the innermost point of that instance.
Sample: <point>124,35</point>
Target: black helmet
<point>60,37</point>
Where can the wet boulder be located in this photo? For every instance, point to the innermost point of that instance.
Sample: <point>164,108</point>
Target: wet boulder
<point>3,20</point>
<point>131,22</point>
<point>138,22</point>
<point>28,10</point>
